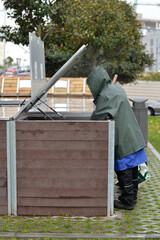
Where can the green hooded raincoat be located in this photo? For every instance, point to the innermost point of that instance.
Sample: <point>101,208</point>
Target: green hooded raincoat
<point>111,99</point>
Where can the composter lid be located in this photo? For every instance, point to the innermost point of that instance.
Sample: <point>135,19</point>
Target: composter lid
<point>41,92</point>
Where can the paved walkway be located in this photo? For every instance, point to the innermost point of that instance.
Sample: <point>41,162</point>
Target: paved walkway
<point>141,223</point>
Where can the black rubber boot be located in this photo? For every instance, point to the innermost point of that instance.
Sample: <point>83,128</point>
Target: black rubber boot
<point>118,204</point>
<point>126,183</point>
<point>135,183</point>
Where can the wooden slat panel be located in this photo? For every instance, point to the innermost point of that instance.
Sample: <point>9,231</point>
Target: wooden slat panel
<point>2,144</point>
<point>60,182</point>
<point>62,192</point>
<point>60,145</point>
<point>76,87</point>
<point>3,172</point>
<point>59,135</point>
<point>7,78</point>
<point>3,192</point>
<point>10,84</point>
<point>2,140</point>
<point>3,169</point>
<point>78,173</point>
<point>45,211</point>
<point>3,210</point>
<point>3,200</point>
<point>25,78</point>
<point>32,160</point>
<point>60,90</point>
<point>3,182</point>
<point>61,125</point>
<point>2,134</point>
<point>87,90</point>
<point>49,91</point>
<point>24,91</point>
<point>9,92</point>
<point>61,202</point>
<point>62,164</point>
<point>10,88</point>
<point>76,92</point>
<point>10,80</point>
<point>3,159</point>
<point>2,125</point>
<point>76,80</point>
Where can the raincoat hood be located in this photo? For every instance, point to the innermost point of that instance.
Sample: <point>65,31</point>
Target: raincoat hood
<point>111,100</point>
<point>96,81</point>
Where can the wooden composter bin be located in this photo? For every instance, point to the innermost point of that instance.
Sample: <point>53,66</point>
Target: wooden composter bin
<point>56,164</point>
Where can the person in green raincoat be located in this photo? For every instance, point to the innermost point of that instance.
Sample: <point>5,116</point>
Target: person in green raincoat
<point>112,103</point>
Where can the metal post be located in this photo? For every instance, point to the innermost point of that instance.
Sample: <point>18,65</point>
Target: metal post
<point>84,86</point>
<point>141,114</point>
<point>111,139</point>
<point>68,86</point>
<point>18,85</point>
<point>2,87</point>
<point>11,168</point>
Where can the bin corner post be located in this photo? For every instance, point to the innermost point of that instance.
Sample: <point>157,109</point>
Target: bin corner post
<point>11,168</point>
<point>111,139</point>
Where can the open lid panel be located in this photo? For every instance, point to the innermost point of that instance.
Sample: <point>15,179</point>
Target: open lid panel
<point>43,90</point>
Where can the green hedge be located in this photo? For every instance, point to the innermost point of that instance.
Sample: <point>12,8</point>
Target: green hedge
<point>150,76</point>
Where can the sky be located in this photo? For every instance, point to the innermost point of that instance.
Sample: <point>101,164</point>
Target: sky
<point>12,50</point>
<point>151,12</point>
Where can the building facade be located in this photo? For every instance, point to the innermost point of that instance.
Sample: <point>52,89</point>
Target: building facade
<point>152,42</point>
<point>151,38</point>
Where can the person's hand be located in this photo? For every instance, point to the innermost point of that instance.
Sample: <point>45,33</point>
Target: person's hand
<point>115,79</point>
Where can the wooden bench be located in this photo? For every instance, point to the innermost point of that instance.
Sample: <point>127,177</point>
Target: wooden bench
<point>21,86</point>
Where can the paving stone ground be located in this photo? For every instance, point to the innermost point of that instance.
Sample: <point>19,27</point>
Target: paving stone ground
<point>141,223</point>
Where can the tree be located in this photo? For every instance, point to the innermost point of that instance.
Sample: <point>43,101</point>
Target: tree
<point>109,27</point>
<point>29,16</point>
<point>112,32</point>
<point>9,60</point>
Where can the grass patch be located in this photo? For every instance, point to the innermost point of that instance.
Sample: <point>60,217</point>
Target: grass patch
<point>67,225</point>
<point>154,131</point>
<point>88,226</point>
<point>77,229</point>
<point>67,231</point>
<point>79,223</point>
<point>58,223</point>
<point>56,228</point>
